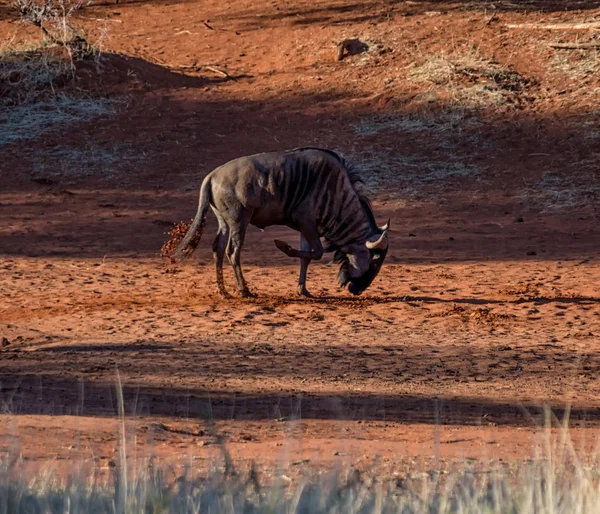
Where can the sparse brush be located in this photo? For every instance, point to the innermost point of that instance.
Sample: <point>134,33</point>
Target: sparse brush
<point>32,75</point>
<point>53,18</point>
<point>35,78</point>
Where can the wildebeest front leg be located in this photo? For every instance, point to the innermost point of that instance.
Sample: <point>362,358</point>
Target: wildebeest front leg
<point>314,254</point>
<point>310,249</point>
<point>305,247</point>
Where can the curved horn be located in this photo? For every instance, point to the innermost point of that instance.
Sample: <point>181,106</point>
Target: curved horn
<point>379,244</point>
<point>386,226</point>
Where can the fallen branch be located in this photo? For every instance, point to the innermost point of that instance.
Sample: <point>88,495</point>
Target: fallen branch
<point>556,26</point>
<point>198,67</point>
<point>100,19</point>
<point>217,70</point>
<point>574,46</point>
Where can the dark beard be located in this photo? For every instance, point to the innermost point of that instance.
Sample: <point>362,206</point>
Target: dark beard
<point>344,271</point>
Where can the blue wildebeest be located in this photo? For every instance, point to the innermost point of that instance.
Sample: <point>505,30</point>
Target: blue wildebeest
<point>310,190</point>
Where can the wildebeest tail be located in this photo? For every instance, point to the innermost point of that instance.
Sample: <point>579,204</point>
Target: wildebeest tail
<point>192,238</point>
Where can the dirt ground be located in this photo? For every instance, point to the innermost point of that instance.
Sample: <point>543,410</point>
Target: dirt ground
<point>487,308</point>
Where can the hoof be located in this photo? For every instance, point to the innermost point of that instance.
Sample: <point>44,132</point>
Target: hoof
<point>247,294</point>
<point>302,291</point>
<point>284,247</point>
<point>223,294</point>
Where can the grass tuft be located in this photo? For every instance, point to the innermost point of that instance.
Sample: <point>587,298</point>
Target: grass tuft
<point>467,79</point>
<point>581,67</point>
<point>29,75</point>
<point>553,192</point>
<point>32,120</point>
<point>90,159</point>
<point>414,176</point>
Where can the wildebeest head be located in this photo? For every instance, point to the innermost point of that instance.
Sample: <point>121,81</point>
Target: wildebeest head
<point>360,262</point>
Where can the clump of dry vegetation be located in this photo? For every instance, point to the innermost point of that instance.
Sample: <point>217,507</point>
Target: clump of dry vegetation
<point>30,75</point>
<point>414,175</point>
<point>37,78</point>
<point>581,67</point>
<point>34,72</point>
<point>54,19</point>
<point>469,80</point>
<point>554,192</point>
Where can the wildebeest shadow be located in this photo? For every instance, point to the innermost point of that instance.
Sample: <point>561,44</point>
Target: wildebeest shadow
<point>369,299</point>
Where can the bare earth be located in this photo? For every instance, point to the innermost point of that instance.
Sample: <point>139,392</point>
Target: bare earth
<point>486,310</point>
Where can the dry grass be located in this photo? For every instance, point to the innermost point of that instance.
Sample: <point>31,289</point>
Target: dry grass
<point>446,130</point>
<point>411,123</point>
<point>467,79</point>
<point>556,480</point>
<point>32,120</point>
<point>30,74</point>
<point>558,192</point>
<point>413,177</point>
<point>581,67</point>
<point>37,90</point>
<point>90,159</point>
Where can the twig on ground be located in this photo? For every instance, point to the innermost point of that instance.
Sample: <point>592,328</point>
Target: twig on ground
<point>556,26</point>
<point>198,67</point>
<point>99,19</point>
<point>218,71</point>
<point>574,46</point>
<point>492,18</point>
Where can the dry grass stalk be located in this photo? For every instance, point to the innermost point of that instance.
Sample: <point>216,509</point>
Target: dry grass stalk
<point>556,26</point>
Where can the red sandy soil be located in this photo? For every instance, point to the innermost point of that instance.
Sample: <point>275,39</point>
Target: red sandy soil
<point>486,310</point>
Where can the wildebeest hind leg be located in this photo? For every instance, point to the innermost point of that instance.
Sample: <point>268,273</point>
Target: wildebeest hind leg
<point>237,234</point>
<point>219,246</point>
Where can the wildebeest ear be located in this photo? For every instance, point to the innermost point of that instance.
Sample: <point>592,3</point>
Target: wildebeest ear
<point>386,226</point>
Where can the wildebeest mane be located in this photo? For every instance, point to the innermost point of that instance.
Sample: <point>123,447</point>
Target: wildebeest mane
<point>351,169</point>
<point>356,181</point>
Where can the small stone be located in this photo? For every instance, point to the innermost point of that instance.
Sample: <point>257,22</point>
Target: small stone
<point>5,342</point>
<point>519,219</point>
